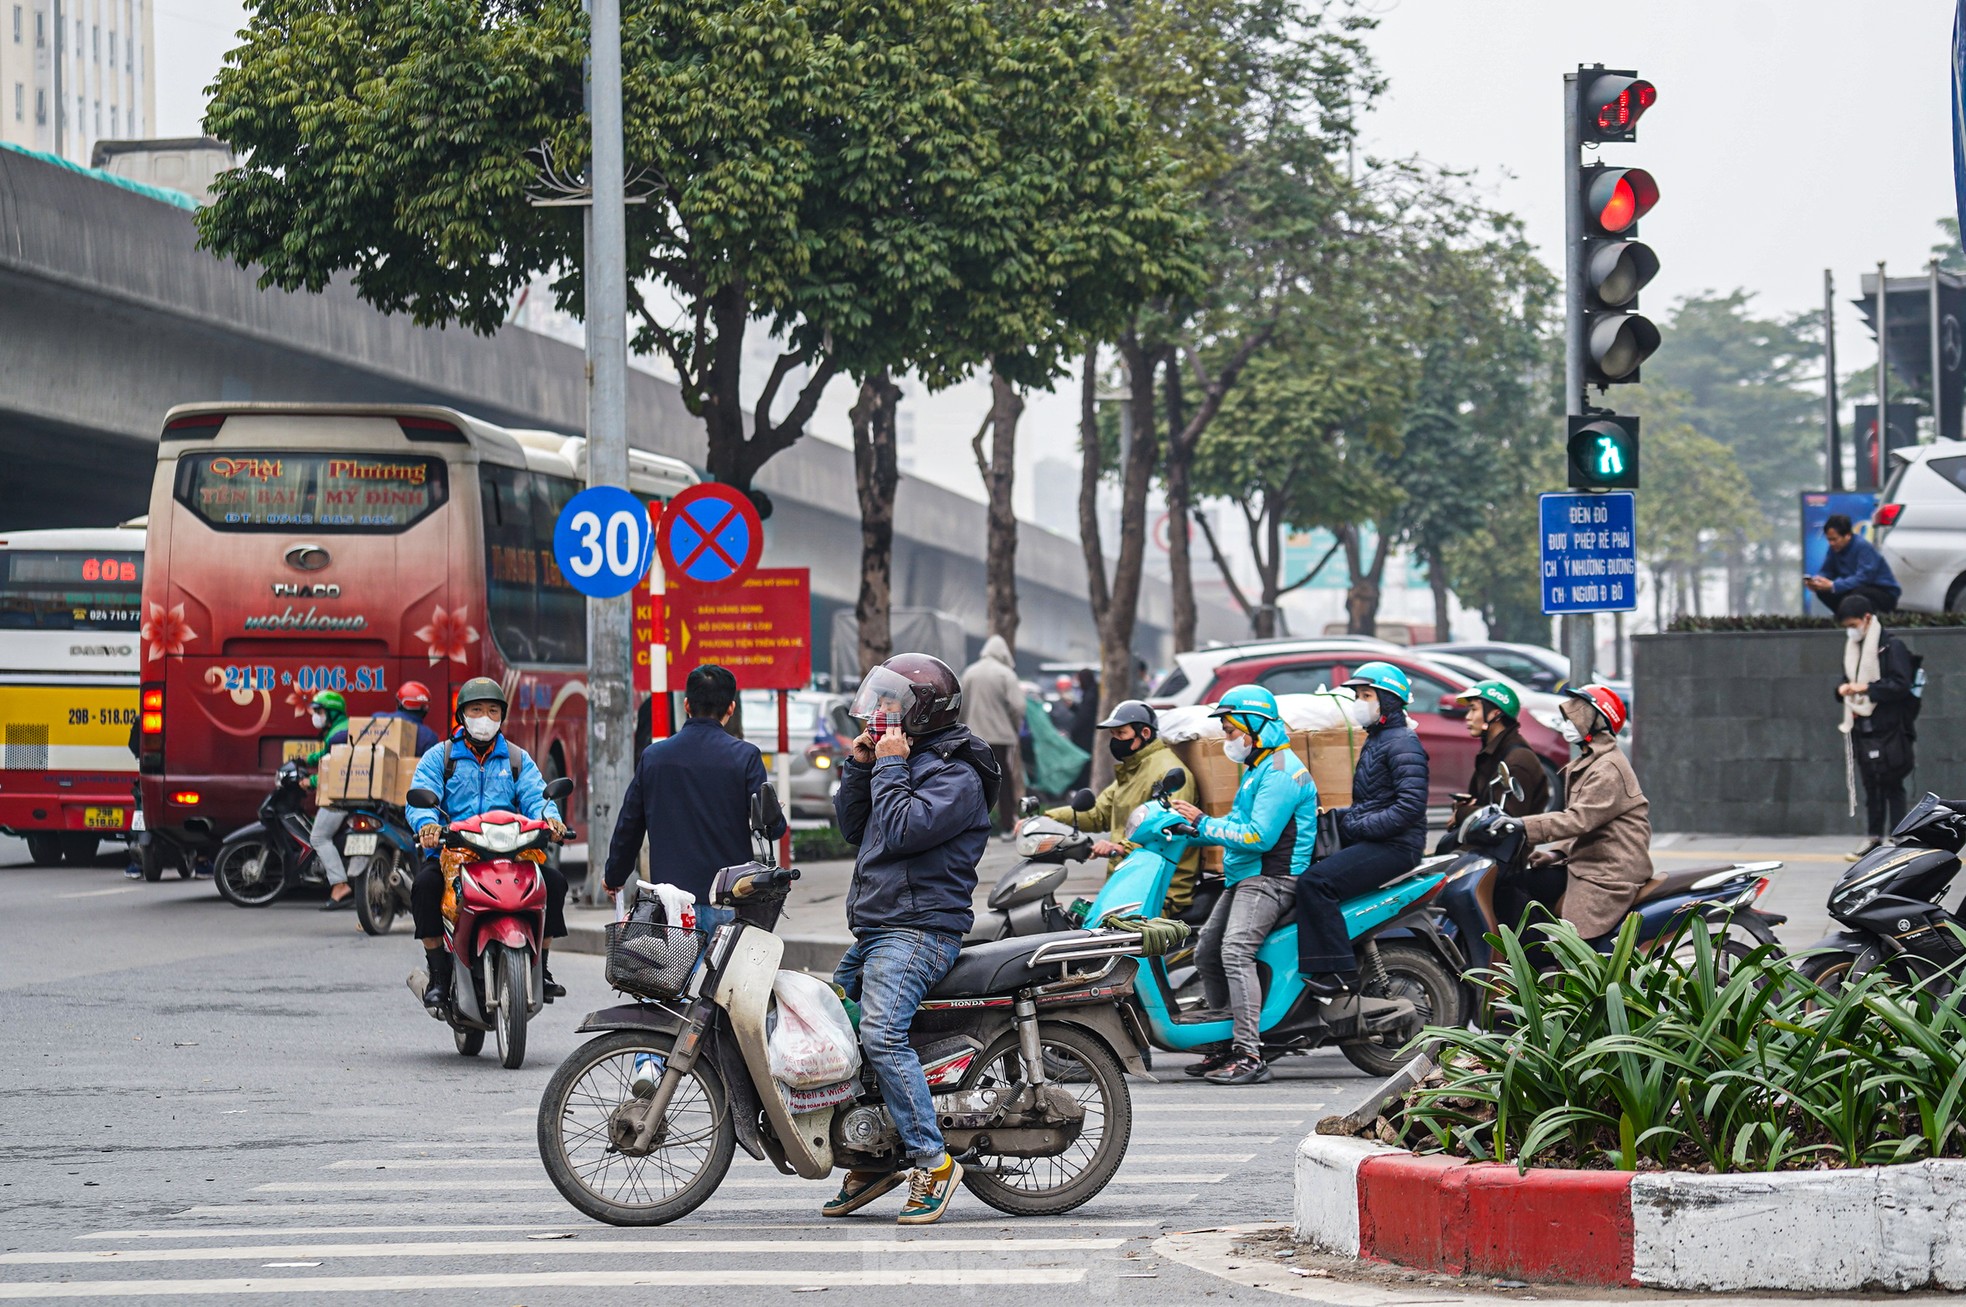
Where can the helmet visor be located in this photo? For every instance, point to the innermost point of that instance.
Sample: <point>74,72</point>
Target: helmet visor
<point>883,700</point>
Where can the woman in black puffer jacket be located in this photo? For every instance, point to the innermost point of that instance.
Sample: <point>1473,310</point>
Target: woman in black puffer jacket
<point>1384,831</point>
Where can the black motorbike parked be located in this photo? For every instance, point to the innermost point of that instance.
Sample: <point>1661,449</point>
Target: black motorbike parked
<point>259,862</point>
<point>1889,900</point>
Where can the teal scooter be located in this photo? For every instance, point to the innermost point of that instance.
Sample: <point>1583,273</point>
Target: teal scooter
<point>1409,970</point>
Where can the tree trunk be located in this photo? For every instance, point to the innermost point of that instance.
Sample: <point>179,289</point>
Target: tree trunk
<point>876,475</point>
<point>1269,565</point>
<point>1179,476</point>
<point>999,472</point>
<point>1116,670</point>
<point>1443,606</point>
<point>1362,599</point>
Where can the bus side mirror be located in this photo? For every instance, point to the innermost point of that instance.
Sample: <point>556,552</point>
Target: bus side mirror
<point>422,798</point>
<point>559,789</point>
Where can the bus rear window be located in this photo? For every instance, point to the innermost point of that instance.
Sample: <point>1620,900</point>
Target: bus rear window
<point>70,590</point>
<point>285,491</point>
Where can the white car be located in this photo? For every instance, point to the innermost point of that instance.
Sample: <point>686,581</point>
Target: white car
<point>1920,526</point>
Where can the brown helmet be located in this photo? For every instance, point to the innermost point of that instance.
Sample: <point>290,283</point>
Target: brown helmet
<point>914,691</point>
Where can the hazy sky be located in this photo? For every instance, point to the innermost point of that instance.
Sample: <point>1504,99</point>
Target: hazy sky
<point>1789,135</point>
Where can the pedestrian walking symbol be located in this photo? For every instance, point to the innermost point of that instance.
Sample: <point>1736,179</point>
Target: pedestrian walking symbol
<point>710,535</point>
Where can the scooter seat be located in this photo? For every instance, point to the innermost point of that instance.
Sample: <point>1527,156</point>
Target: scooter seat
<point>1000,967</point>
<point>1678,882</point>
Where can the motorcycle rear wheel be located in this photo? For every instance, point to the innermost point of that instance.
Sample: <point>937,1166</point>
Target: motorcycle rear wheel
<point>574,1113</point>
<point>1417,975</point>
<point>375,891</point>
<point>511,986</point>
<point>1051,1185</point>
<point>248,874</point>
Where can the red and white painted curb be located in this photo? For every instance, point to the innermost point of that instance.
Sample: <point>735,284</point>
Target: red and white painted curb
<point>1875,1227</point>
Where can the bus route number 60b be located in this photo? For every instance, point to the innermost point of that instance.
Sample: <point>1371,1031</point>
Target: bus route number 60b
<point>602,542</point>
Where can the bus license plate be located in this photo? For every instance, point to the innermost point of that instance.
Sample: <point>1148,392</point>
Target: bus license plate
<point>136,820</point>
<point>102,818</point>
<point>359,846</point>
<point>292,750</point>
<point>770,762</point>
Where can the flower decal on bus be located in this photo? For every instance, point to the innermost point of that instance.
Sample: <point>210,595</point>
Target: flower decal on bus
<point>301,701</point>
<point>449,635</point>
<point>165,631</point>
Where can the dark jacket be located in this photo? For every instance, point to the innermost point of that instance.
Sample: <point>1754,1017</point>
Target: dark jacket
<point>693,792</point>
<point>1525,768</point>
<point>1858,563</point>
<point>426,739</point>
<point>1389,789</point>
<point>1883,740</point>
<point>921,824</point>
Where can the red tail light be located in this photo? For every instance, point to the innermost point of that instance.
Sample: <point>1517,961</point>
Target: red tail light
<point>1887,514</point>
<point>153,710</point>
<point>364,823</point>
<point>186,798</point>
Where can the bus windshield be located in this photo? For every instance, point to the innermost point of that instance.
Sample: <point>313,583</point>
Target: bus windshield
<point>278,491</point>
<point>70,590</point>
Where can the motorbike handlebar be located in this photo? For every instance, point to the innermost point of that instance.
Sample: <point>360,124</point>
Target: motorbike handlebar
<point>1186,829</point>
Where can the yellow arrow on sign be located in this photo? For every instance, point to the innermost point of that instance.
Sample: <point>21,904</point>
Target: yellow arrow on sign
<point>685,627</point>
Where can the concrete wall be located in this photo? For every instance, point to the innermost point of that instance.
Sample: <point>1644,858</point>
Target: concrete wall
<point>109,314</point>
<point>1736,732</point>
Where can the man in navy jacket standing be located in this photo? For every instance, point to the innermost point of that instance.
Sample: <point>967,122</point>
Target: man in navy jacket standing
<point>693,792</point>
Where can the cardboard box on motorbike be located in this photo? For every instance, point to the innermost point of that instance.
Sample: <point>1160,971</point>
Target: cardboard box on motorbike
<point>1330,753</point>
<point>374,766</point>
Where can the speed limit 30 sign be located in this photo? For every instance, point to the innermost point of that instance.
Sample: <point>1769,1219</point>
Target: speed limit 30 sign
<point>603,542</point>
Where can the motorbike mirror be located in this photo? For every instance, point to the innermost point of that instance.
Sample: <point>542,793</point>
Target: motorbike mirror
<point>559,789</point>
<point>1172,781</point>
<point>422,798</point>
<point>1084,800</point>
<point>765,812</point>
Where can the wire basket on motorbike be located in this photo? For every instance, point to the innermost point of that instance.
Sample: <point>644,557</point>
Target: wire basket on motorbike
<point>649,955</point>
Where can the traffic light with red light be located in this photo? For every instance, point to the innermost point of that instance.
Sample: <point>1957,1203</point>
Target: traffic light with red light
<point>1608,265</point>
<point>1610,103</point>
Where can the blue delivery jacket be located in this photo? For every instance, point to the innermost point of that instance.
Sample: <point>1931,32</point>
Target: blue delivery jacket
<point>1272,829</point>
<point>476,788</point>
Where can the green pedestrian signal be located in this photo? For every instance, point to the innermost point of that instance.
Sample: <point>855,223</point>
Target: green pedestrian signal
<point>1603,452</point>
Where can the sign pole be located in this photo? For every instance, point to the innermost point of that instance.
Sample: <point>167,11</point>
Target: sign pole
<point>610,665</point>
<point>1579,629</point>
<point>784,769</point>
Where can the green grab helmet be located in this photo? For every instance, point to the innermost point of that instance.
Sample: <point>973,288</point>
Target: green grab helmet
<point>1494,693</point>
<point>1384,678</point>
<point>331,703</point>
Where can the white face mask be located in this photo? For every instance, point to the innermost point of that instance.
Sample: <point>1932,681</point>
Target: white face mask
<point>1568,730</point>
<point>320,719</point>
<point>480,728</point>
<point>1854,634</point>
<point>1236,749</point>
<point>1365,712</point>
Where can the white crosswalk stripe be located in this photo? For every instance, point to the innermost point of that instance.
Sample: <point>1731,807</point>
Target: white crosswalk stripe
<point>981,1277</point>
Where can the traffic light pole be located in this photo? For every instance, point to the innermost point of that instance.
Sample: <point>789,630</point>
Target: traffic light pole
<point>1579,629</point>
<point>610,696</point>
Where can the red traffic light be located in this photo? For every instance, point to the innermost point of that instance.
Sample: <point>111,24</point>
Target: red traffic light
<point>1615,198</point>
<point>1614,103</point>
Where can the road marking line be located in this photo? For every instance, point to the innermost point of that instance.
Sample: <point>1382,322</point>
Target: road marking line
<point>98,893</point>
<point>955,1277</point>
<point>296,1231</point>
<point>1211,1109</point>
<point>1190,1157</point>
<point>547,1212</point>
<point>532,1248</point>
<point>488,1182</point>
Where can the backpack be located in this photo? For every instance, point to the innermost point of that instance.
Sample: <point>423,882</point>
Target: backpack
<point>513,753</point>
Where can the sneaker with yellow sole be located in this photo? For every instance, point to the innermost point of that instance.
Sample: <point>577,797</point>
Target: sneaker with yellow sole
<point>929,1192</point>
<point>860,1188</point>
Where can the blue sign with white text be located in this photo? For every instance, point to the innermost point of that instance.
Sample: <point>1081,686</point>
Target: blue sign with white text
<point>1590,553</point>
<point>602,542</point>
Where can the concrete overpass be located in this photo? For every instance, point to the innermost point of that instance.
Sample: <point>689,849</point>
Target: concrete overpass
<point>109,314</point>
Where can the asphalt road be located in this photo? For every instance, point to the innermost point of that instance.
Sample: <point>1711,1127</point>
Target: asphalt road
<point>203,1102</point>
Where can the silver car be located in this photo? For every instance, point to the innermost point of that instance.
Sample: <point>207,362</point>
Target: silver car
<point>812,720</point>
<point>1920,526</point>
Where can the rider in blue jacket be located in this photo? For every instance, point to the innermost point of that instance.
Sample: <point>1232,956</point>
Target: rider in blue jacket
<point>1383,833</point>
<point>1266,841</point>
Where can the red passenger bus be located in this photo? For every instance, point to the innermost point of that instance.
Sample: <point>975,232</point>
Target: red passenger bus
<point>295,548</point>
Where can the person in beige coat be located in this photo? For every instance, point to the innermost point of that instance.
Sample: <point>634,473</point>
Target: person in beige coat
<point>993,709</point>
<point>1603,835</point>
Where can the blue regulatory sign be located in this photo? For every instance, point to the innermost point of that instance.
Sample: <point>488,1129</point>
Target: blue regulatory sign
<point>603,542</point>
<point>1590,553</point>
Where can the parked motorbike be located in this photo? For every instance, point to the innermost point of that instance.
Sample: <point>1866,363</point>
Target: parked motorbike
<point>1025,900</point>
<point>259,862</point>
<point>1890,902</point>
<point>1492,863</point>
<point>382,859</point>
<point>1409,970</point>
<point>1030,1143</point>
<point>497,934</point>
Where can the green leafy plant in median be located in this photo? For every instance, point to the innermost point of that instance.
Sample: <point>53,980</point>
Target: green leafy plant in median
<point>1698,1053</point>
<point>820,844</point>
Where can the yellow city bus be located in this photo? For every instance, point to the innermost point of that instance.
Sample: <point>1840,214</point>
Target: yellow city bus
<point>70,614</point>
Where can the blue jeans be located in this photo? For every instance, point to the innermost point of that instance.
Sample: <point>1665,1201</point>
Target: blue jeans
<point>888,972</point>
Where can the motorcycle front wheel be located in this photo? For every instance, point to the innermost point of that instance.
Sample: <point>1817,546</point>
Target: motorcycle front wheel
<point>375,892</point>
<point>249,874</point>
<point>511,983</point>
<point>576,1142</point>
<point>1046,1186</point>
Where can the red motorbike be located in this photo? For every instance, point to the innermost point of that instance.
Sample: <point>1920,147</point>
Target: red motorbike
<point>491,866</point>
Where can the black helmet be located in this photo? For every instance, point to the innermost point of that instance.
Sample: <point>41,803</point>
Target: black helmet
<point>480,689</point>
<point>1131,712</point>
<point>917,690</point>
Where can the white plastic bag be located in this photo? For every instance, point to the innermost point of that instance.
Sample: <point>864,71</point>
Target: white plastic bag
<point>814,1043</point>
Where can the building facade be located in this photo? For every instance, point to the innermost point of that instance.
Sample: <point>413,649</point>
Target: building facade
<point>75,72</point>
